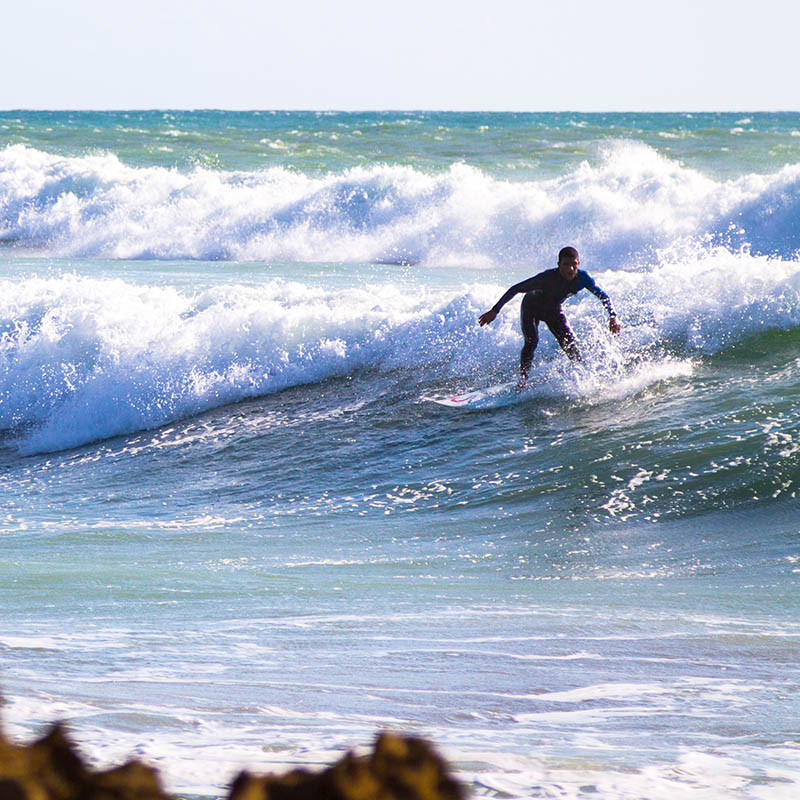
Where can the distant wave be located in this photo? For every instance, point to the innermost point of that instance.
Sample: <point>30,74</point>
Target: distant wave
<point>83,359</point>
<point>623,212</point>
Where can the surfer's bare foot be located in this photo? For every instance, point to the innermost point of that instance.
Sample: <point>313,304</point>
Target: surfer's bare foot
<point>522,384</point>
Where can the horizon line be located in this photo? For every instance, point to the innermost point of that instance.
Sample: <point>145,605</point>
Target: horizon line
<point>420,110</point>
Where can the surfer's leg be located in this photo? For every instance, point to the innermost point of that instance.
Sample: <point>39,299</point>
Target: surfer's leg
<point>530,330</point>
<point>564,336</point>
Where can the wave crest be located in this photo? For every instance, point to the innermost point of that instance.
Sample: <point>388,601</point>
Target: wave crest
<point>624,211</point>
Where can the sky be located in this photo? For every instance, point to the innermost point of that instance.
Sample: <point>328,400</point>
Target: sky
<point>576,55</point>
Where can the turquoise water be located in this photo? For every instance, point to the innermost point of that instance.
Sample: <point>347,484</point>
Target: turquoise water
<point>500,144</point>
<point>233,531</point>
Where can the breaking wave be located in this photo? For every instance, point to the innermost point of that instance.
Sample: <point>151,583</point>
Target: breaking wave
<point>626,210</point>
<point>87,358</point>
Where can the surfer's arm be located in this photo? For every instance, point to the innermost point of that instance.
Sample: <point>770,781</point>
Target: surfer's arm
<point>529,285</point>
<point>587,282</point>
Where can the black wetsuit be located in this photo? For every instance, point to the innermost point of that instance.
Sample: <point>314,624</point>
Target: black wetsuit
<point>544,294</point>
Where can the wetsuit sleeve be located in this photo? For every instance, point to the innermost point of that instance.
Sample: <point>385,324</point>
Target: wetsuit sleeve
<point>587,282</point>
<point>533,284</point>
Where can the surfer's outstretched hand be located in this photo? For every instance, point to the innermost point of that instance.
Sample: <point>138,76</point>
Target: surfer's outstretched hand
<point>613,325</point>
<point>487,317</point>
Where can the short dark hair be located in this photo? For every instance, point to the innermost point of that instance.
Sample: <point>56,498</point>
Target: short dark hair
<point>567,251</point>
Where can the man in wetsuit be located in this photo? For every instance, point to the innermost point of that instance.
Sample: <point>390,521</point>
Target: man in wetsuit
<point>544,294</point>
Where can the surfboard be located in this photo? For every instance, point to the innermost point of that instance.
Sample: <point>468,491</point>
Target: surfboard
<point>491,397</point>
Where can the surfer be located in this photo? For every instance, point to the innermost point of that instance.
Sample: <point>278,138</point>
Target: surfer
<point>544,294</point>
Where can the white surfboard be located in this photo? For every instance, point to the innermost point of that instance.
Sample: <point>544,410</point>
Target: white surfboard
<point>493,396</point>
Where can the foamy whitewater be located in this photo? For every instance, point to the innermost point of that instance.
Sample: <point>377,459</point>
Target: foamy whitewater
<point>235,534</point>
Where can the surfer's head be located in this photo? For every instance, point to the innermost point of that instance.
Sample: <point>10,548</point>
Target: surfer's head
<point>568,262</point>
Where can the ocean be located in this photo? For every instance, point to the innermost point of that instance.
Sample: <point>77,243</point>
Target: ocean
<point>233,532</point>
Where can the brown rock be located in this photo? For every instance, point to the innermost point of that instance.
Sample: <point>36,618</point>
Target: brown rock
<point>399,768</point>
<point>50,769</point>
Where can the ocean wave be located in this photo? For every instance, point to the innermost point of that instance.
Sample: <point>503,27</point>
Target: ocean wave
<point>623,210</point>
<point>84,358</point>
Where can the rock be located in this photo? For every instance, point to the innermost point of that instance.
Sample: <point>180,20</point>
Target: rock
<point>399,768</point>
<point>51,769</point>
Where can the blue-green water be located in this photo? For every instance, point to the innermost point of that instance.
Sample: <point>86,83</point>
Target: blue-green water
<point>234,533</point>
<point>314,143</point>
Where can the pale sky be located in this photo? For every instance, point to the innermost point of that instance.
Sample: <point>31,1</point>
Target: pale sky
<point>583,55</point>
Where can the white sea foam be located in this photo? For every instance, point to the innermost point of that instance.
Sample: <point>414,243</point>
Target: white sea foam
<point>689,773</point>
<point>623,208</point>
